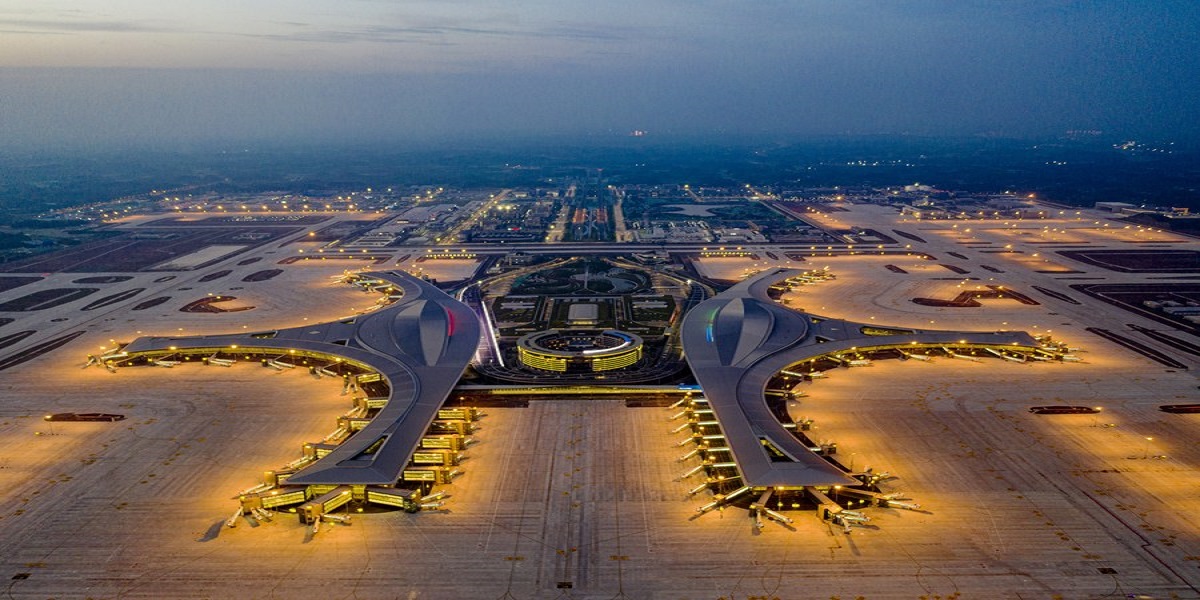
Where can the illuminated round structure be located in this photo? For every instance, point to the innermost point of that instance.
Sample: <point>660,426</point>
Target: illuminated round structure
<point>579,350</point>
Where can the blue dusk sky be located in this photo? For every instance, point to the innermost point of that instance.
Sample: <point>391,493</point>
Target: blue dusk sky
<point>140,71</point>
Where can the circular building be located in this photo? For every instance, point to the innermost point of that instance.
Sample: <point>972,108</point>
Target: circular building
<point>579,350</point>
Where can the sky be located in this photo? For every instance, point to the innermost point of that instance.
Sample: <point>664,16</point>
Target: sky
<point>96,73</point>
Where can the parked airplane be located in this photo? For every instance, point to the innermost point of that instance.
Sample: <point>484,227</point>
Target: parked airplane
<point>1016,359</point>
<point>952,354</point>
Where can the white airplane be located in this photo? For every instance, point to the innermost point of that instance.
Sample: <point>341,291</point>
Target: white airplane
<point>166,363</point>
<point>952,354</point>
<point>877,476</point>
<point>774,515</point>
<point>299,462</point>
<point>1016,359</point>
<point>434,497</point>
<point>859,363</point>
<point>850,518</point>
<point>262,487</point>
<point>1070,358</point>
<point>335,435</point>
<point>220,362</point>
<point>920,357</point>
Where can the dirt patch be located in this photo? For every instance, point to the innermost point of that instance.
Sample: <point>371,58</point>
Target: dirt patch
<point>113,299</point>
<point>262,275</point>
<point>970,299</point>
<point>151,303</point>
<point>8,283</point>
<point>209,305</point>
<point>1138,261</point>
<point>912,236</point>
<point>44,299</point>
<point>104,279</point>
<point>214,276</point>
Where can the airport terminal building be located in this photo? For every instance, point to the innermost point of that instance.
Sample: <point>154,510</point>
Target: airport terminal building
<point>398,441</point>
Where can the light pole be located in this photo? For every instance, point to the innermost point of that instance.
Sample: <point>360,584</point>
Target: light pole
<point>1146,449</point>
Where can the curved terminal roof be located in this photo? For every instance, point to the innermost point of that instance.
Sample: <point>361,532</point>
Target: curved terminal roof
<point>625,341</point>
<point>737,341</point>
<point>421,344</point>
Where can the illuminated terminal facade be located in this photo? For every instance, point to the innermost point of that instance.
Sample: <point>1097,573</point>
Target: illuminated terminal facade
<point>747,351</point>
<point>579,350</point>
<point>401,361</point>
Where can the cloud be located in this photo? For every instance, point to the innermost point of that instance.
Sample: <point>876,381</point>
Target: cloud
<point>32,32</point>
<point>448,33</point>
<point>65,27</point>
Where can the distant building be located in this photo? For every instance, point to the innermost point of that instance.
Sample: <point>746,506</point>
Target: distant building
<point>1115,207</point>
<point>583,314</point>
